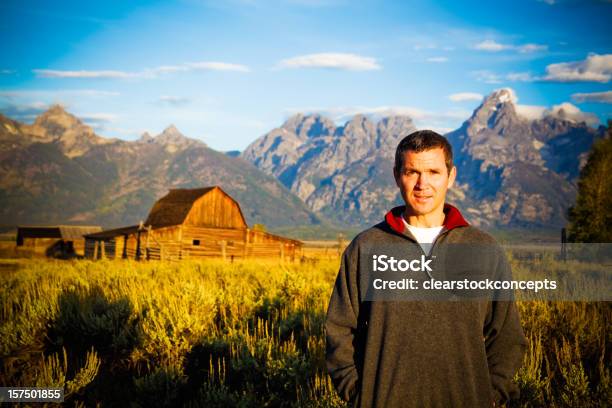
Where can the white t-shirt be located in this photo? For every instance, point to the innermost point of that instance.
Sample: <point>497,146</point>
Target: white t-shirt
<point>424,236</point>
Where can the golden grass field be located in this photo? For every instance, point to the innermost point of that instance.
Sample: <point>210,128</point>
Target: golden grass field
<point>248,334</point>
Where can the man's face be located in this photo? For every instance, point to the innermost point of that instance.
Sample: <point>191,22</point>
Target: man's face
<point>423,180</point>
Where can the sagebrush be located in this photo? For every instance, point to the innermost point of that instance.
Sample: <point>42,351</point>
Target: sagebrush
<point>247,334</point>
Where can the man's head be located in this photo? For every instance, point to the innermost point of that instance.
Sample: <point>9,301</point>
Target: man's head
<point>424,171</point>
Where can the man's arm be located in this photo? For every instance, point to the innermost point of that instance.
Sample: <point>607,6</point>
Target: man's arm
<point>341,326</point>
<point>505,342</point>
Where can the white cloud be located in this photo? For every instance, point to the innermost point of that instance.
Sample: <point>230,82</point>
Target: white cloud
<point>6,71</point>
<point>505,95</point>
<point>98,121</point>
<point>98,117</point>
<point>521,77</point>
<point>50,73</point>
<point>465,96</point>
<point>565,111</point>
<point>24,112</point>
<point>491,45</point>
<point>595,68</point>
<point>44,93</point>
<point>600,97</point>
<point>349,62</point>
<point>494,78</point>
<point>572,113</point>
<point>423,119</point>
<point>526,48</point>
<point>437,59</point>
<point>487,76</point>
<point>494,46</point>
<point>173,100</point>
<point>164,69</point>
<point>218,66</point>
<point>531,112</point>
<point>147,73</point>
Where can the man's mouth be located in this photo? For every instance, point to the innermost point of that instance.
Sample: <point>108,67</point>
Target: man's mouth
<point>422,198</point>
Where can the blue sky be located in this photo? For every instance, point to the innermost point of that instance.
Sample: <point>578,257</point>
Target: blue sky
<point>227,72</point>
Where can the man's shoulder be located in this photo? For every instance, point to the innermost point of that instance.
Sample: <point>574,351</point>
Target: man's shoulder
<point>474,241</point>
<point>471,234</point>
<point>380,232</point>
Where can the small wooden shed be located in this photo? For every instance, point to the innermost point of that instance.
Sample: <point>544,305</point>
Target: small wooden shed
<point>61,241</point>
<point>191,223</point>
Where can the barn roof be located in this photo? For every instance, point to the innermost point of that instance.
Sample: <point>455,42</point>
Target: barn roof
<point>173,208</point>
<point>112,233</point>
<point>67,232</point>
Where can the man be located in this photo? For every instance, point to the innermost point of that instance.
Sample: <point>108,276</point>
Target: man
<point>421,353</point>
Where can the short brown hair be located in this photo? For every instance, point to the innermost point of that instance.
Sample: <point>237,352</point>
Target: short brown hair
<point>419,142</point>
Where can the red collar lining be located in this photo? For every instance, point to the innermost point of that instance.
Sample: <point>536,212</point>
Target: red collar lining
<point>452,218</point>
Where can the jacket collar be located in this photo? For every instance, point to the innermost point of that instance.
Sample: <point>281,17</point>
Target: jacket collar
<point>452,218</point>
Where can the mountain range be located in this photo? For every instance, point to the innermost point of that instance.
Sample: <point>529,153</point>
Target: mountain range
<point>58,170</point>
<point>512,171</point>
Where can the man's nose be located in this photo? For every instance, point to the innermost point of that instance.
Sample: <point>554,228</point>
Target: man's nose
<point>422,180</point>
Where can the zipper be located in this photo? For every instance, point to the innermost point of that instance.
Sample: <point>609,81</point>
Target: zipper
<point>433,244</point>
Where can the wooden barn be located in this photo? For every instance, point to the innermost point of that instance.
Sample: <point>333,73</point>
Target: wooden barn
<point>58,241</point>
<point>191,223</point>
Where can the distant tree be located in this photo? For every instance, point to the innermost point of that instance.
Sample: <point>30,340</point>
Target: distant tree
<point>591,217</point>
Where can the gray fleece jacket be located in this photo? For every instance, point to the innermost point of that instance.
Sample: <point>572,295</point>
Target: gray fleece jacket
<point>420,353</point>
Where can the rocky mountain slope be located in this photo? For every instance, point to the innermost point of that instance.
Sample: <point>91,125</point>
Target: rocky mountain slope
<point>57,170</point>
<point>343,172</point>
<point>513,171</point>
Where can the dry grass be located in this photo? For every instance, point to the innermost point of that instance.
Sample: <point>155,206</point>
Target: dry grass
<point>243,334</point>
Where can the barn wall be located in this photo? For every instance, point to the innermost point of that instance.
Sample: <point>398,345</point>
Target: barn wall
<point>40,246</point>
<point>79,246</point>
<point>212,242</point>
<point>235,243</point>
<point>215,209</point>
<point>164,234</point>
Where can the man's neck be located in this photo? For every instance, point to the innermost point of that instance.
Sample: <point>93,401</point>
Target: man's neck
<point>434,219</point>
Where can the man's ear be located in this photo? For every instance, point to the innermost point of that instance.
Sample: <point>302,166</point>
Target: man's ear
<point>452,176</point>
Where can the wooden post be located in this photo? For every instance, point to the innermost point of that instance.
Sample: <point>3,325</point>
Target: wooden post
<point>125,242</point>
<point>223,245</point>
<point>246,242</point>
<point>103,254</point>
<point>180,241</point>
<point>95,255</point>
<point>138,245</point>
<point>147,242</point>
